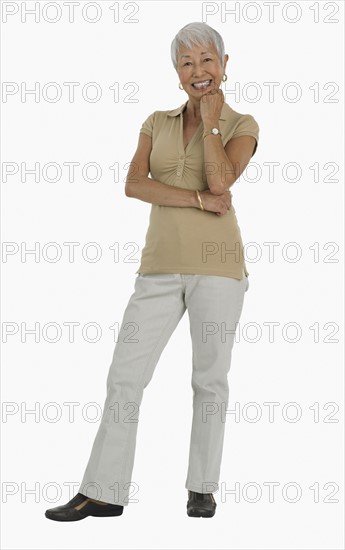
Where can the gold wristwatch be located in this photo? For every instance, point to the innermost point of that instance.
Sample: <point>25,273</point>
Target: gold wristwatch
<point>213,131</point>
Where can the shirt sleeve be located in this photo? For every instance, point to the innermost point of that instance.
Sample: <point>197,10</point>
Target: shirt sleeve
<point>247,126</point>
<point>147,126</point>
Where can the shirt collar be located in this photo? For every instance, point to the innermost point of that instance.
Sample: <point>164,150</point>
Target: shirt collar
<point>178,111</point>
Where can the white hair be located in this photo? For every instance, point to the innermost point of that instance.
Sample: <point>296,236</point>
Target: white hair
<point>199,34</point>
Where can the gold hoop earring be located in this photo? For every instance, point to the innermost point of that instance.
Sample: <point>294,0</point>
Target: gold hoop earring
<point>224,77</point>
<point>180,86</point>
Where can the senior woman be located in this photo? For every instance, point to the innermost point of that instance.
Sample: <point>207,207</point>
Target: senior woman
<point>192,259</point>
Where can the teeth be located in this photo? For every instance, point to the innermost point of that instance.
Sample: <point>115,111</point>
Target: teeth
<point>202,84</point>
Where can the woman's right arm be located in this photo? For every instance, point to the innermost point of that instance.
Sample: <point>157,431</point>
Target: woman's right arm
<point>140,186</point>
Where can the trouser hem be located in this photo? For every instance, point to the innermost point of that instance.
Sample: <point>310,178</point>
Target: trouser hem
<point>205,487</point>
<point>106,497</point>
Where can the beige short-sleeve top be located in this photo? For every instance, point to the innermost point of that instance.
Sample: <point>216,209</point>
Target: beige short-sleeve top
<point>183,239</point>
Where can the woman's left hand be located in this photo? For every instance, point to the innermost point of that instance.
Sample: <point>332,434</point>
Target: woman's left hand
<point>211,104</point>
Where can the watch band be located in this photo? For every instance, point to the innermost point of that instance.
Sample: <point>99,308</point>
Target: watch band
<point>212,132</point>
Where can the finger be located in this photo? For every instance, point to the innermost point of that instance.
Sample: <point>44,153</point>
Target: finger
<point>214,88</point>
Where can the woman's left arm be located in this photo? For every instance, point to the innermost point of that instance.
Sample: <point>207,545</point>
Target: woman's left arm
<point>223,165</point>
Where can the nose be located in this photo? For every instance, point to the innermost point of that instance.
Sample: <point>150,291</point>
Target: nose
<point>199,75</point>
<point>198,70</point>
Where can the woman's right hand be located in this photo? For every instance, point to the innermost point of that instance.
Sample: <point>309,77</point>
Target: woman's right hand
<point>219,204</point>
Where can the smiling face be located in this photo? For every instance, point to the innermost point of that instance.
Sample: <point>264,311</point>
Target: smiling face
<point>199,69</point>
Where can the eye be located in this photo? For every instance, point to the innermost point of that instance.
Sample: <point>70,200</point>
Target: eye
<point>189,62</point>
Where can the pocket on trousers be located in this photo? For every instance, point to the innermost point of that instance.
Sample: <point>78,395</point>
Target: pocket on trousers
<point>247,284</point>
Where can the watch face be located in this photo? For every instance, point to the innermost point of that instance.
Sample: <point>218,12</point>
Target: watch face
<point>215,131</point>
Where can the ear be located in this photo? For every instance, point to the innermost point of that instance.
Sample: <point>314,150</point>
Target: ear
<point>226,59</point>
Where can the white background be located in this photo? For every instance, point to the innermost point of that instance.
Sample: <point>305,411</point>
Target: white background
<point>42,456</point>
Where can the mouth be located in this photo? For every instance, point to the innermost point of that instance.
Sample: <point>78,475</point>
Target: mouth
<point>202,85</point>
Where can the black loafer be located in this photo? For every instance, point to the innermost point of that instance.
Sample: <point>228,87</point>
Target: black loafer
<point>201,505</point>
<point>80,507</point>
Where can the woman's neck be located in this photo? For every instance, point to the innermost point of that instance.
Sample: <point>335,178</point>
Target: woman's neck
<point>192,110</point>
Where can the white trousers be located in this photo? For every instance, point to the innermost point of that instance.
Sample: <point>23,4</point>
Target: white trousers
<point>214,305</point>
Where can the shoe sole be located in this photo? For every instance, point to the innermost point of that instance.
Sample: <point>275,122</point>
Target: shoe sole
<point>199,513</point>
<point>63,519</point>
<point>107,514</point>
